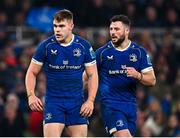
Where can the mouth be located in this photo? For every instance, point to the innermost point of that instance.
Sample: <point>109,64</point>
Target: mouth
<point>113,38</point>
<point>59,36</point>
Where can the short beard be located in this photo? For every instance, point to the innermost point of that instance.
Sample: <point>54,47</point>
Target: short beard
<point>119,41</point>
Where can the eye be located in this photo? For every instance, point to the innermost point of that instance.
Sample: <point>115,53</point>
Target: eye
<point>117,29</point>
<point>55,25</point>
<point>62,25</point>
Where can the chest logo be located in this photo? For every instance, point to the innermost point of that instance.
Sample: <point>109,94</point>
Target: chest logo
<point>110,57</point>
<point>133,57</point>
<point>65,62</point>
<point>77,52</point>
<point>53,52</point>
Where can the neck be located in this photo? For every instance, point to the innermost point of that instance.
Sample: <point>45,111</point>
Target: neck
<point>123,45</point>
<point>67,40</point>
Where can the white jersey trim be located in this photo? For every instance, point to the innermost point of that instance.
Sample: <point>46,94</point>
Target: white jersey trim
<point>90,63</point>
<point>36,62</point>
<point>112,130</point>
<point>147,69</point>
<point>121,49</point>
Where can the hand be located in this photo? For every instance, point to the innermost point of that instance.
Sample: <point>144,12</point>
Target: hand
<point>131,72</point>
<point>35,103</point>
<point>87,108</point>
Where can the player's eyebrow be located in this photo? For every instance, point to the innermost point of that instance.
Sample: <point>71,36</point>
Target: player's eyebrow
<point>61,25</point>
<point>115,28</point>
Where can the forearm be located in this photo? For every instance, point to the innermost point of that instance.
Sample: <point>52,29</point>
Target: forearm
<point>146,79</point>
<point>30,83</point>
<point>92,86</point>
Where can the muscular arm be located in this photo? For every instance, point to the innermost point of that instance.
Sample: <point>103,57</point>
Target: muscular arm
<point>92,81</point>
<point>147,78</point>
<point>30,81</point>
<point>31,74</point>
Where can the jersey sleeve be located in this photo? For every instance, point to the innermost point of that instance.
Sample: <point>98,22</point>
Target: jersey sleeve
<point>90,56</point>
<point>98,58</point>
<point>145,63</point>
<point>40,54</point>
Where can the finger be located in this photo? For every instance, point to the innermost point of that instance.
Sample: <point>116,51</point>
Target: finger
<point>38,106</point>
<point>32,107</point>
<point>90,113</point>
<point>128,68</point>
<point>40,103</point>
<point>82,109</point>
<point>84,113</point>
<point>87,112</point>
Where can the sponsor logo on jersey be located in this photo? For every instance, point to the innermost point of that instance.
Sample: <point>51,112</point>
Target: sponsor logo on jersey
<point>133,57</point>
<point>110,57</point>
<point>77,52</point>
<point>53,52</point>
<point>119,71</point>
<point>92,53</point>
<point>148,60</point>
<point>64,67</point>
<point>65,62</point>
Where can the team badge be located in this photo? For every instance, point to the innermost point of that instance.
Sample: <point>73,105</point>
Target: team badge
<point>120,123</point>
<point>133,57</point>
<point>77,52</point>
<point>48,116</point>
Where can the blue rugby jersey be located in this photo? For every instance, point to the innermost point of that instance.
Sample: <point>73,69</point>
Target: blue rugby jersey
<point>114,85</point>
<point>63,66</point>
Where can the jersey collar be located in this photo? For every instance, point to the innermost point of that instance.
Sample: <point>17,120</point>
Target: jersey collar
<point>68,44</point>
<point>121,49</point>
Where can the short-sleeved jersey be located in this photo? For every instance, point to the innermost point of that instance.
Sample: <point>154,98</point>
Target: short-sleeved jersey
<point>63,66</point>
<point>114,85</point>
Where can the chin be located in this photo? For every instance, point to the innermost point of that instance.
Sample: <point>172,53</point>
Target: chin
<point>60,40</point>
<point>114,42</point>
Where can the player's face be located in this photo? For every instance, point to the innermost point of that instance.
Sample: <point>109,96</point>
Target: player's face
<point>62,29</point>
<point>117,32</point>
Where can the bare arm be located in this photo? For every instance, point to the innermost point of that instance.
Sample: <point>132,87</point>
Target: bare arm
<point>92,83</point>
<point>30,81</point>
<point>91,76</point>
<point>147,78</point>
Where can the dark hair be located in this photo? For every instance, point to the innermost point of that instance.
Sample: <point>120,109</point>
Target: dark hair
<point>122,18</point>
<point>63,14</point>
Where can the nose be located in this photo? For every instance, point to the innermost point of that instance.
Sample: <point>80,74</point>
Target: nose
<point>112,33</point>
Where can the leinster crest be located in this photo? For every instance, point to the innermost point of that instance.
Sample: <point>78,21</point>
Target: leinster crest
<point>77,52</point>
<point>133,57</point>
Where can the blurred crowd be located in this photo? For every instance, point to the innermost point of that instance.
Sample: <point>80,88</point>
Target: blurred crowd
<point>158,107</point>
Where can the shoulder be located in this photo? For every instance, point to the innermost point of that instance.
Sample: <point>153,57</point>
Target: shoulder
<point>138,48</point>
<point>48,41</point>
<point>104,48</point>
<point>134,45</point>
<point>81,41</point>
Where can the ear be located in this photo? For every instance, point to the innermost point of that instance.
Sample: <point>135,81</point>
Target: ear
<point>127,30</point>
<point>72,25</point>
